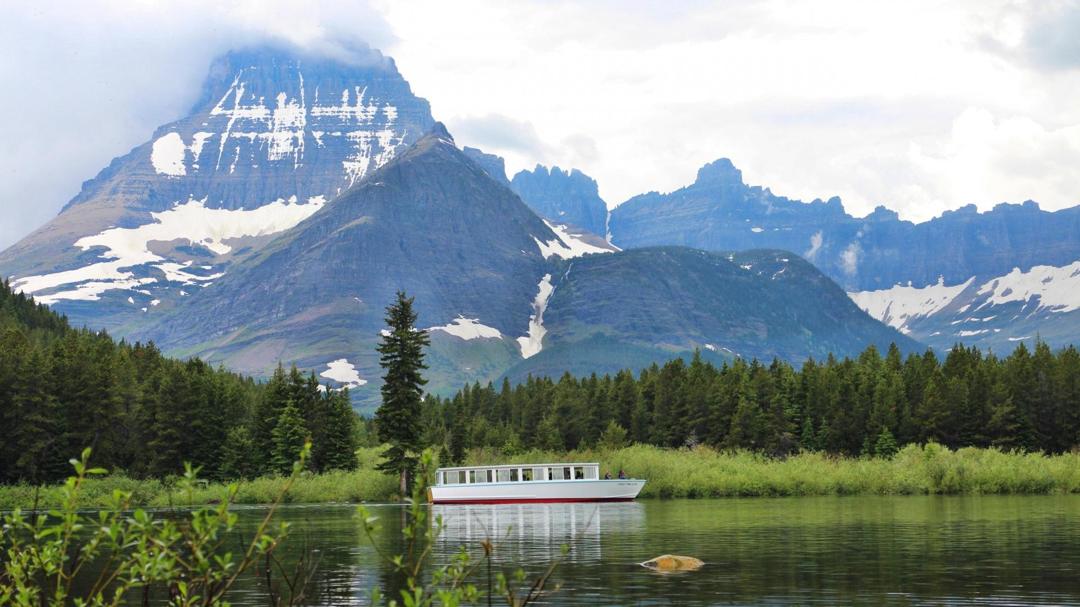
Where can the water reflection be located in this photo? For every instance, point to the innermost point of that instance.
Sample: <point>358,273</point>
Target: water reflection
<point>1018,550</point>
<point>531,532</point>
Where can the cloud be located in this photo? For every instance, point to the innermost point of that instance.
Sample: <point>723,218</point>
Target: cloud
<point>920,106</point>
<point>87,81</point>
<point>1045,35</point>
<point>497,133</point>
<point>989,159</point>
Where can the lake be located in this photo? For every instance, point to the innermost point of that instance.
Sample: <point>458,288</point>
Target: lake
<point>983,550</point>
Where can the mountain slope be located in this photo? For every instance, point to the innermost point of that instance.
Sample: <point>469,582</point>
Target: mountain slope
<point>562,197</point>
<point>877,258</point>
<point>641,305</point>
<point>995,312</point>
<point>720,212</point>
<point>430,222</point>
<point>271,138</point>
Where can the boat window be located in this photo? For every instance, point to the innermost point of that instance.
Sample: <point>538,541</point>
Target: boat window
<point>544,474</point>
<point>462,477</point>
<point>503,475</point>
<point>479,476</point>
<point>438,478</point>
<point>579,473</point>
<point>592,472</point>
<point>566,473</point>
<point>527,474</point>
<point>513,474</point>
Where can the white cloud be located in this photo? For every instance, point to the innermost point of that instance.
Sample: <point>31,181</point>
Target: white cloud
<point>878,103</point>
<point>810,99</point>
<point>87,81</point>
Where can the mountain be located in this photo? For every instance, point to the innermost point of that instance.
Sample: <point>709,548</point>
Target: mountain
<point>493,165</point>
<point>995,312</point>
<point>430,222</point>
<point>562,197</point>
<point>276,221</point>
<point>882,261</point>
<point>501,290</point>
<point>272,137</point>
<point>606,312</point>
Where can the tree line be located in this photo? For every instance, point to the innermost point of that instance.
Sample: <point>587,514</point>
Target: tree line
<point>63,389</point>
<point>869,405</point>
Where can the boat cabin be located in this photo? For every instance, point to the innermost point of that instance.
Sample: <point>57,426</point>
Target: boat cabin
<point>471,475</point>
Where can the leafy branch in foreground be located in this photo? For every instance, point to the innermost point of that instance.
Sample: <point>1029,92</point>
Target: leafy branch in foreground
<point>51,558</point>
<point>453,583</point>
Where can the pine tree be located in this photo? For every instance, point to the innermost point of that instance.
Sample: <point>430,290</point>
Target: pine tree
<point>334,447</point>
<point>548,436</point>
<point>401,353</point>
<point>288,439</point>
<point>885,445</point>
<point>267,411</point>
<point>613,437</point>
<point>239,459</point>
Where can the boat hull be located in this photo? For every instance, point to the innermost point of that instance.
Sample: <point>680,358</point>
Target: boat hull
<point>538,492</point>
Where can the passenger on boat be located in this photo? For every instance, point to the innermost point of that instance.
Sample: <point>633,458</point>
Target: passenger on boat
<point>622,474</point>
<point>607,476</point>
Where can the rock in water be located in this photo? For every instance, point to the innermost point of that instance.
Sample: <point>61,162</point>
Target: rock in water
<point>674,562</point>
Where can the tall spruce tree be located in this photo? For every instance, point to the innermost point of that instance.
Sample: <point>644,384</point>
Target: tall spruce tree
<point>401,355</point>
<point>288,436</point>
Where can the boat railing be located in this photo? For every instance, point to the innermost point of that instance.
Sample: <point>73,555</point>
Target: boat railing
<point>468,475</point>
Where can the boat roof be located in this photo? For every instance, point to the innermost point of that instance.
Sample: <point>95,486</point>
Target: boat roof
<point>490,466</point>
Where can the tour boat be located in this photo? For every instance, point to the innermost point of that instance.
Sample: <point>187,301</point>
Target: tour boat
<point>524,483</point>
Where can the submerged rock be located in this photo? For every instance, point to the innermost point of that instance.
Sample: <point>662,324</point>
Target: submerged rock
<point>674,562</point>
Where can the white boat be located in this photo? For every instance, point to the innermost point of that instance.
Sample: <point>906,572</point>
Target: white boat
<point>525,483</point>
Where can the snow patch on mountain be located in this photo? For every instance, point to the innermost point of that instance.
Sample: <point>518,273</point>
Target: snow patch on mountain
<point>849,259</point>
<point>92,290</point>
<point>568,245</point>
<point>532,343</point>
<point>1048,289</point>
<point>126,248</point>
<point>343,372</point>
<point>1058,289</point>
<point>167,155</point>
<point>815,245</point>
<point>367,125</point>
<point>898,305</point>
<point>468,328</point>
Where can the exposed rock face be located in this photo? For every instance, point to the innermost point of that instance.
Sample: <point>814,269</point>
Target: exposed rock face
<point>493,165</point>
<point>631,308</point>
<point>720,212</point>
<point>563,197</point>
<point>271,139</point>
<point>430,222</point>
<point>875,253</point>
<point>278,220</point>
<point>995,312</point>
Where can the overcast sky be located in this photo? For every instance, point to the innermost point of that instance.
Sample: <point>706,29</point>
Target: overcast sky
<point>921,106</point>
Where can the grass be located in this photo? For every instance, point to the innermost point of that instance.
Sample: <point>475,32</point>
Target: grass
<point>683,473</point>
<point>915,470</point>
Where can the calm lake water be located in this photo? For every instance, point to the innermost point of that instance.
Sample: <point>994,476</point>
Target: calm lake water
<point>797,551</point>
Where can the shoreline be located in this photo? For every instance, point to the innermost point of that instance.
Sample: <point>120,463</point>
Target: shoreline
<point>698,473</point>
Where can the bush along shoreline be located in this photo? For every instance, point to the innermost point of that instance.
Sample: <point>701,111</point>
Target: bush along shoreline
<point>699,472</point>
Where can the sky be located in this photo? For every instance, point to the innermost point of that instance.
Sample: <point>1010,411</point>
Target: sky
<point>920,106</point>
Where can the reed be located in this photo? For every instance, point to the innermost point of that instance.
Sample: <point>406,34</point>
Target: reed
<point>700,472</point>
